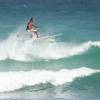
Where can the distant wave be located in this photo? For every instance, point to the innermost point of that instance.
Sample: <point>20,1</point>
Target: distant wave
<point>10,81</point>
<point>29,50</point>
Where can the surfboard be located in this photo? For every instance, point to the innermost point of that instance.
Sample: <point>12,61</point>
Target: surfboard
<point>47,37</point>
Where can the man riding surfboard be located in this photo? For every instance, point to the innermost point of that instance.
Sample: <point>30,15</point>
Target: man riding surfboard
<point>32,28</point>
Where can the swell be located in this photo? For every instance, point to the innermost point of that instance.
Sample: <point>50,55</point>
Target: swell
<point>89,85</point>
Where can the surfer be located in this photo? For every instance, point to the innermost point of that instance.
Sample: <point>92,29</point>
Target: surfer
<point>32,28</point>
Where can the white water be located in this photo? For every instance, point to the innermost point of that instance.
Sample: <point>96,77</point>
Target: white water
<point>29,50</point>
<point>10,81</point>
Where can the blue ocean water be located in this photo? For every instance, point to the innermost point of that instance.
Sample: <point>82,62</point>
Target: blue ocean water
<point>67,68</point>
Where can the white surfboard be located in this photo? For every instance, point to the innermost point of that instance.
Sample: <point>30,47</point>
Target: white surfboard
<point>47,37</point>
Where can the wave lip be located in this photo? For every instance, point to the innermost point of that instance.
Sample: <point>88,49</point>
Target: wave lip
<point>10,81</point>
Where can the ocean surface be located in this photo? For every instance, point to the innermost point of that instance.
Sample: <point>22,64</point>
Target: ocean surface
<point>67,68</point>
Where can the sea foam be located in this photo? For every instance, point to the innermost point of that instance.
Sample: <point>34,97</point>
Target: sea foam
<point>13,80</point>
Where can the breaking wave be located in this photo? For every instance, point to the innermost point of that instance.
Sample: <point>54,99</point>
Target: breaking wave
<point>15,49</point>
<point>10,81</point>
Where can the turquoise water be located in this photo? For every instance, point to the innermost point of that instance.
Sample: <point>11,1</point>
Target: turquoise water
<point>68,68</point>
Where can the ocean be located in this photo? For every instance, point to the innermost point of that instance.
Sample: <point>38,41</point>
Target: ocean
<point>67,68</point>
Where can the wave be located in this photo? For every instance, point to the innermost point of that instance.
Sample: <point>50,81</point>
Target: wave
<point>10,81</point>
<point>15,49</point>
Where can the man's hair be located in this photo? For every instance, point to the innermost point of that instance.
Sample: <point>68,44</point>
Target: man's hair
<point>31,19</point>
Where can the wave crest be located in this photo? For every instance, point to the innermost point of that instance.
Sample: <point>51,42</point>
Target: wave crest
<point>10,81</point>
